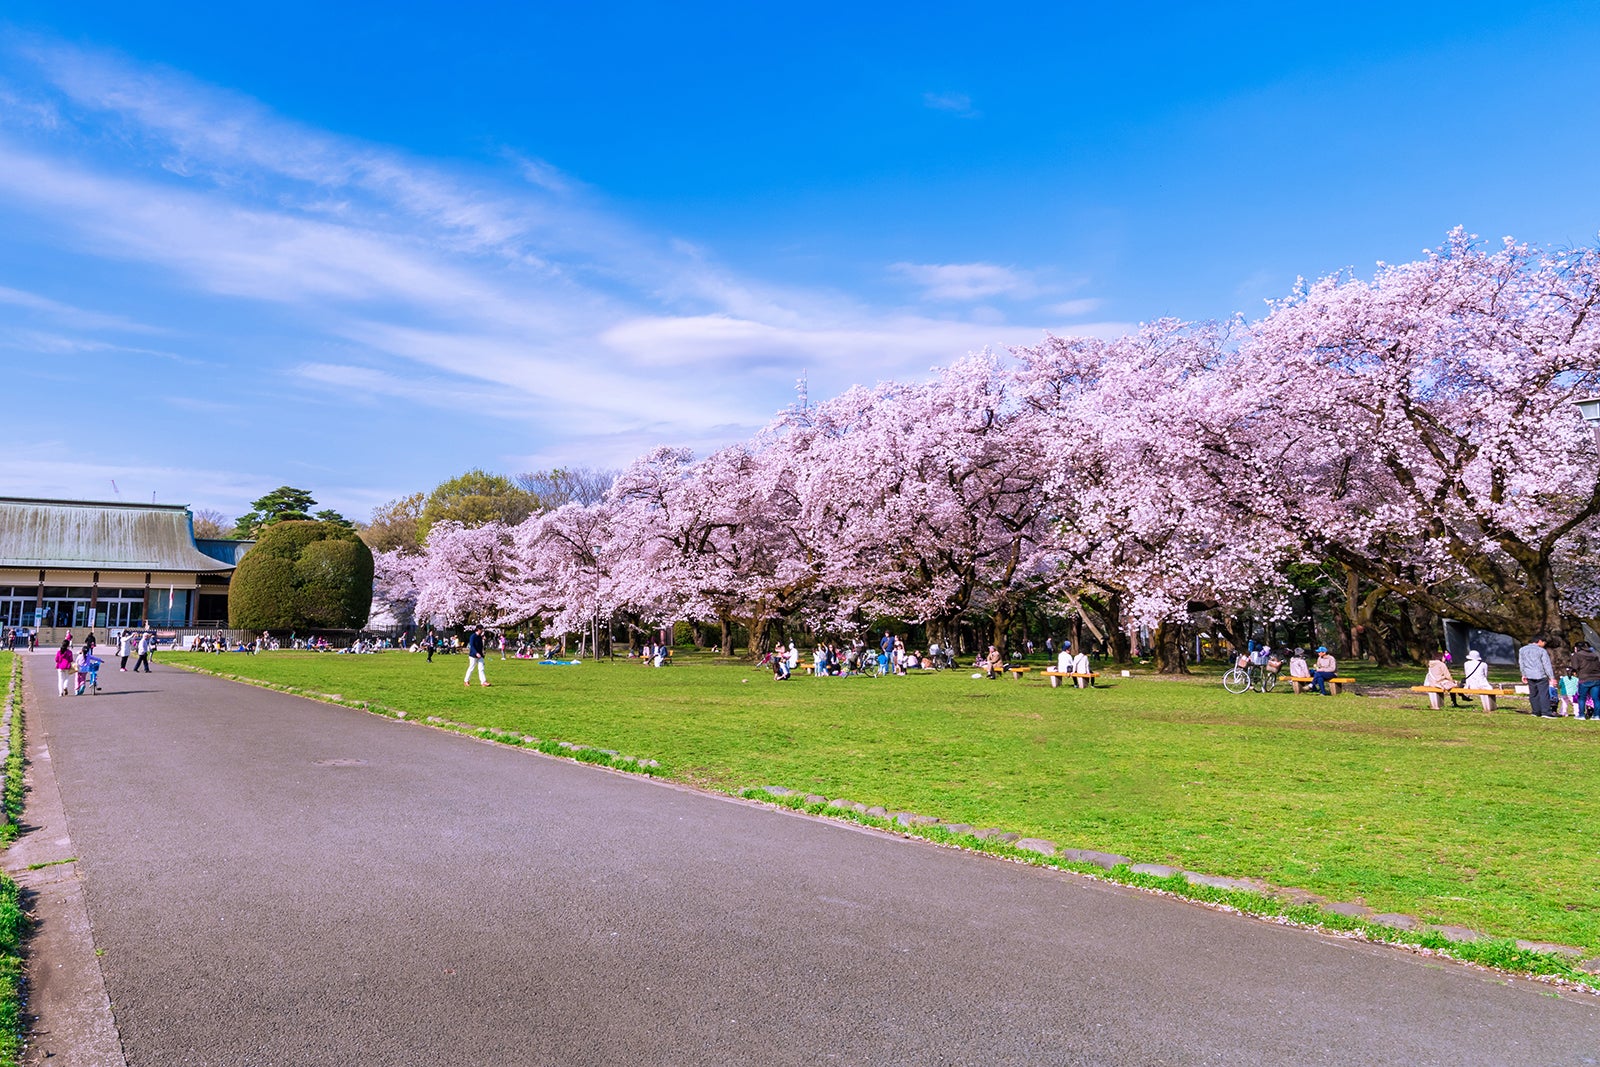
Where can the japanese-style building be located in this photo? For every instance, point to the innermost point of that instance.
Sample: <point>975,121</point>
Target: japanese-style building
<point>79,564</point>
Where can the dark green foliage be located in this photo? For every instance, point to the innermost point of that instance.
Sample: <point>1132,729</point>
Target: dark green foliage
<point>475,498</point>
<point>262,595</point>
<point>302,575</point>
<point>335,583</point>
<point>283,504</point>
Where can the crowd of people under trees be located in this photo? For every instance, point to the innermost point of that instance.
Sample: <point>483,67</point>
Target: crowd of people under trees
<point>1366,459</point>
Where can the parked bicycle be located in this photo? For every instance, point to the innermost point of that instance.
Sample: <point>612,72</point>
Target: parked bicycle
<point>1258,672</point>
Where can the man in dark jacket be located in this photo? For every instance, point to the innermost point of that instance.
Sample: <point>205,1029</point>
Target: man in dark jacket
<point>1586,665</point>
<point>475,657</point>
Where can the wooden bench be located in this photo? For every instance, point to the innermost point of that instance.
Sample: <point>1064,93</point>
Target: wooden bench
<point>1435,695</point>
<point>1335,684</point>
<point>1489,698</point>
<point>1082,681</point>
<point>1018,672</point>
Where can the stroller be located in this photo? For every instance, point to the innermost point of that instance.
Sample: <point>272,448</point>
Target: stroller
<point>89,675</point>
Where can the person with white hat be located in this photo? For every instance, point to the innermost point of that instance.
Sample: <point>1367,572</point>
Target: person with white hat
<point>1475,675</point>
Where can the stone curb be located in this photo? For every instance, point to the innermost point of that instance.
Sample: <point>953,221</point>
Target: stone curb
<point>1111,860</point>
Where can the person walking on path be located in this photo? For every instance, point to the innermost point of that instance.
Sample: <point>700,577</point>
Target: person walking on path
<point>475,657</point>
<point>1533,659</point>
<point>124,649</point>
<point>1586,664</point>
<point>1326,668</point>
<point>147,641</point>
<point>65,668</point>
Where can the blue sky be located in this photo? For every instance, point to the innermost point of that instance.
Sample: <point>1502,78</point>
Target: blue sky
<point>360,249</point>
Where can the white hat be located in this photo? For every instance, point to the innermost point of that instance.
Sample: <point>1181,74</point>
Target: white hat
<point>1474,654</point>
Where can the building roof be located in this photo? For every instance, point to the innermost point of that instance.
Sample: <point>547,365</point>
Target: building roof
<point>228,551</point>
<point>92,535</point>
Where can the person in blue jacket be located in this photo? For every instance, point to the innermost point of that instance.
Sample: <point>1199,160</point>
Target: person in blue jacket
<point>475,657</point>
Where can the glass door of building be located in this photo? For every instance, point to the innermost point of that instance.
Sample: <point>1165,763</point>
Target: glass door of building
<point>16,611</point>
<point>120,608</point>
<point>66,606</point>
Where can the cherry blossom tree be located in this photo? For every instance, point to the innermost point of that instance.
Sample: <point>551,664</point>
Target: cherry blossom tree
<point>1422,430</point>
<point>462,573</point>
<point>921,501</point>
<point>1143,519</point>
<point>1411,436</point>
<point>394,588</point>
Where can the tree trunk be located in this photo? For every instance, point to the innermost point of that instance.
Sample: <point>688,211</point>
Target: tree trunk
<point>726,643</point>
<point>1235,632</point>
<point>1002,623</point>
<point>759,625</point>
<point>1352,615</point>
<point>1171,655</point>
<point>1116,635</point>
<point>1308,605</point>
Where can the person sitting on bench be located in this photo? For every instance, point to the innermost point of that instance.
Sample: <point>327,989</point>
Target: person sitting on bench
<point>1439,675</point>
<point>1326,668</point>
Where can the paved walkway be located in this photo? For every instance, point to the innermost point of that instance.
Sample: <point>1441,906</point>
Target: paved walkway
<point>273,881</point>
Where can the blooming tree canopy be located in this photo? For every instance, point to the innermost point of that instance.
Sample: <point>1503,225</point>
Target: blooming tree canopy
<point>1416,430</point>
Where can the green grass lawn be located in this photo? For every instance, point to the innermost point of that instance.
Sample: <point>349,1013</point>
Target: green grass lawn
<point>1455,817</point>
<point>13,920</point>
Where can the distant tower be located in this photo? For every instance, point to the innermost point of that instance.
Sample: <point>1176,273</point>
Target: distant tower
<point>803,399</point>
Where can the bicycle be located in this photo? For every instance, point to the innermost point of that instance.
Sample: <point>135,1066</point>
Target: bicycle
<point>1259,676</point>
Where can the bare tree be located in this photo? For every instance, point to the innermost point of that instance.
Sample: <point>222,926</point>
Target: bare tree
<point>211,524</point>
<point>561,485</point>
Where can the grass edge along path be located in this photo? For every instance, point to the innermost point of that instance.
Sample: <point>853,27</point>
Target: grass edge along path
<point>1502,954</point>
<point>13,920</point>
<point>604,757</point>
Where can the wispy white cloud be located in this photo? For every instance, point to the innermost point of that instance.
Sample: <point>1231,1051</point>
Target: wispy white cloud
<point>514,294</point>
<point>55,309</point>
<point>59,469</point>
<point>65,469</point>
<point>48,342</point>
<point>1075,308</point>
<point>967,281</point>
<point>958,104</point>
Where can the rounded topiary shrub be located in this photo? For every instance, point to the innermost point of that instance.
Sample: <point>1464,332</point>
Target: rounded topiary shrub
<point>300,576</point>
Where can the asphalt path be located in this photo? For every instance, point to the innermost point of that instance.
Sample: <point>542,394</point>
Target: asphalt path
<point>279,882</point>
